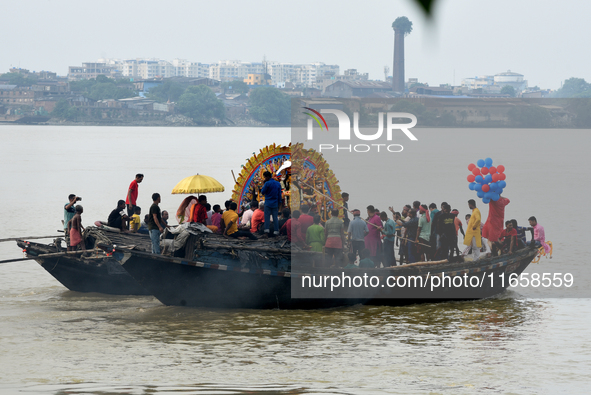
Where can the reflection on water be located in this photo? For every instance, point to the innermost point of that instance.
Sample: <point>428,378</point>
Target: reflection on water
<point>92,338</point>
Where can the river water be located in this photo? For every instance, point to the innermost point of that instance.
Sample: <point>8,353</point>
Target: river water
<point>53,341</point>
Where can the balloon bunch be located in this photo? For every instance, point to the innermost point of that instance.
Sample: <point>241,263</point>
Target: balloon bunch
<point>487,180</point>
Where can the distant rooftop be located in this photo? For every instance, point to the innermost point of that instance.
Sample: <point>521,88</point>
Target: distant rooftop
<point>509,72</point>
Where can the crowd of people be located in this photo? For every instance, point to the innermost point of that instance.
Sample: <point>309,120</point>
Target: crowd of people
<point>419,232</point>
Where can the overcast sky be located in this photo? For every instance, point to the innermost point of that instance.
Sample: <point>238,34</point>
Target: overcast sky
<point>543,40</point>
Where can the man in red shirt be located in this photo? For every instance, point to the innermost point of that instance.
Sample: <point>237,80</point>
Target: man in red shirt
<point>199,213</point>
<point>305,219</point>
<point>293,227</point>
<point>132,192</point>
<point>258,218</point>
<point>507,241</point>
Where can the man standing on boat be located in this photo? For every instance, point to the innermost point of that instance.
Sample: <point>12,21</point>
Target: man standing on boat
<point>132,193</point>
<point>272,193</point>
<point>154,224</point>
<point>357,231</point>
<point>75,231</point>
<point>69,212</point>
<point>473,237</point>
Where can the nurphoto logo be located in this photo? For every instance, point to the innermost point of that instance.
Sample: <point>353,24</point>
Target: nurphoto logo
<point>344,134</point>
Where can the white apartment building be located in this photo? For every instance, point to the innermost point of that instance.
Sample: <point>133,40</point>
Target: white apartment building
<point>308,74</point>
<point>230,70</point>
<point>157,68</point>
<point>494,83</point>
<point>184,68</point>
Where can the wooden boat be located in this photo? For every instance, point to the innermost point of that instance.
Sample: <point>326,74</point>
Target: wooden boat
<point>95,273</point>
<point>244,274</point>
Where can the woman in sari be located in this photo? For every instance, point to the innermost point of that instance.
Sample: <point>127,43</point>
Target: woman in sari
<point>183,214</point>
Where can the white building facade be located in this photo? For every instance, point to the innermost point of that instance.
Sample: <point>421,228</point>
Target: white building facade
<point>306,74</point>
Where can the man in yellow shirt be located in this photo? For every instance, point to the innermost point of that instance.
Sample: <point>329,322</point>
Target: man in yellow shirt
<point>230,218</point>
<point>135,223</point>
<point>473,236</point>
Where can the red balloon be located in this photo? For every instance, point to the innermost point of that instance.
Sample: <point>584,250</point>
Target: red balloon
<point>484,170</point>
<point>502,176</point>
<point>485,188</point>
<point>471,178</point>
<point>496,177</point>
<point>493,170</point>
<point>471,166</point>
<point>501,168</point>
<point>476,171</point>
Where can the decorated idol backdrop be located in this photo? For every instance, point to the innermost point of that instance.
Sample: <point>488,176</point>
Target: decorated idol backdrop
<point>304,175</point>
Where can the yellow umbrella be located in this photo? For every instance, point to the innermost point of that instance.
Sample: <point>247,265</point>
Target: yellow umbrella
<point>198,184</point>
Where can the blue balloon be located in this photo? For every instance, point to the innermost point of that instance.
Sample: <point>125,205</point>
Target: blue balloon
<point>488,162</point>
<point>472,185</point>
<point>493,186</point>
<point>486,201</point>
<point>480,194</point>
<point>502,184</point>
<point>478,187</point>
<point>500,191</point>
<point>479,179</point>
<point>495,197</point>
<point>480,163</point>
<point>488,178</point>
<point>488,195</point>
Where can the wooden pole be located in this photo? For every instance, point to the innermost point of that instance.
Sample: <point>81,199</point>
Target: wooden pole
<point>234,176</point>
<point>52,255</point>
<point>28,238</point>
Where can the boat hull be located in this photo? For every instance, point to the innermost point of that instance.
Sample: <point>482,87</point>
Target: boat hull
<point>178,282</point>
<point>96,274</point>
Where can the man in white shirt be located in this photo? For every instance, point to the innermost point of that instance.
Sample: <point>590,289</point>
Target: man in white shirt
<point>246,217</point>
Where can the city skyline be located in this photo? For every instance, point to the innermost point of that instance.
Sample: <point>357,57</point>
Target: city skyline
<point>463,40</point>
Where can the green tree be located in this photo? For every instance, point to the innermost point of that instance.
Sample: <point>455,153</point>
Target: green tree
<point>508,90</point>
<point>108,90</point>
<point>581,108</point>
<point>19,79</point>
<point>103,88</point>
<point>61,109</point>
<point>73,113</point>
<point>446,119</point>
<point>167,91</point>
<point>270,105</point>
<point>200,103</point>
<point>237,86</point>
<point>530,117</point>
<point>574,87</point>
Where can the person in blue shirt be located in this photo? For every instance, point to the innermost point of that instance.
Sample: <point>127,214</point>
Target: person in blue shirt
<point>272,193</point>
<point>389,232</point>
<point>521,239</point>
